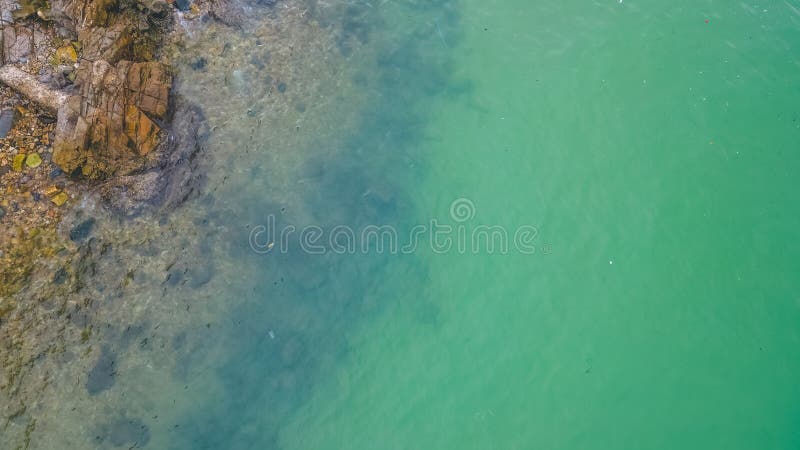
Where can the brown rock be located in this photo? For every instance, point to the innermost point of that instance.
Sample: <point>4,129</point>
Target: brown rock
<point>78,14</point>
<point>66,55</point>
<point>109,127</point>
<point>110,44</point>
<point>60,198</point>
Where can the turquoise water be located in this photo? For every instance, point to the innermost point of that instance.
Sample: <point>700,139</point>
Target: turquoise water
<point>651,146</point>
<point>654,152</point>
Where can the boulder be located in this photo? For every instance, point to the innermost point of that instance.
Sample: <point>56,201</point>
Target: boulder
<point>17,44</point>
<point>174,177</point>
<point>111,125</point>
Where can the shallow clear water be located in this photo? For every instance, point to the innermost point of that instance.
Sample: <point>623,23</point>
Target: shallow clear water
<point>650,145</point>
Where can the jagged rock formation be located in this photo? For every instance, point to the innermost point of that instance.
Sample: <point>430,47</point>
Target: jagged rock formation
<point>112,120</point>
<point>109,127</point>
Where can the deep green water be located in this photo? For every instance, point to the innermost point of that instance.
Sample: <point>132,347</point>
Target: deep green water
<point>652,146</point>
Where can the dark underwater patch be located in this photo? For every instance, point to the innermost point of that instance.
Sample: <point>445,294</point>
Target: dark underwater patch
<point>124,433</point>
<point>81,231</point>
<point>101,377</point>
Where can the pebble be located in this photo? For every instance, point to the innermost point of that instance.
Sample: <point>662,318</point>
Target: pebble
<point>66,54</point>
<point>60,199</point>
<point>33,160</point>
<point>6,122</point>
<point>18,160</point>
<point>51,191</point>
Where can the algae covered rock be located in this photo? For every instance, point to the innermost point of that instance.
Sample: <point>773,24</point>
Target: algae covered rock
<point>33,160</point>
<point>16,165</point>
<point>66,55</point>
<point>60,198</point>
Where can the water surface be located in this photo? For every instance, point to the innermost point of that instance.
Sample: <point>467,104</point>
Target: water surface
<point>651,147</point>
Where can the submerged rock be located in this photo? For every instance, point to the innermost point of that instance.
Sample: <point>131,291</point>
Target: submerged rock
<point>172,180</point>
<point>60,276</point>
<point>199,63</point>
<point>123,432</point>
<point>81,231</point>
<point>129,194</point>
<point>200,275</point>
<point>183,5</point>
<point>101,377</point>
<point>228,12</point>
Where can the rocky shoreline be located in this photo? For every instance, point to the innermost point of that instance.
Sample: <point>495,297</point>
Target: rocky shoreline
<point>93,116</point>
<point>110,279</point>
<point>92,122</point>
